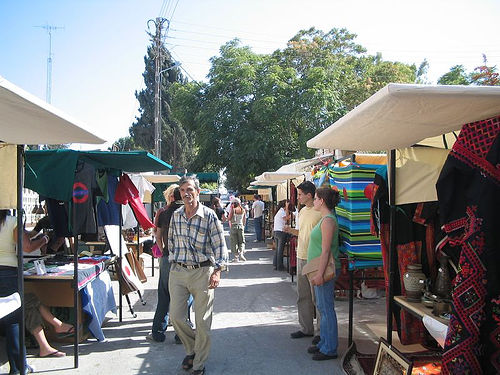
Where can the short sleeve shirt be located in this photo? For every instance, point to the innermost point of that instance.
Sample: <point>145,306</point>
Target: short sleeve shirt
<point>308,218</point>
<point>258,208</point>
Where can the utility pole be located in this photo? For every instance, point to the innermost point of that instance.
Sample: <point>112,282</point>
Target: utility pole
<point>158,22</point>
<point>48,88</point>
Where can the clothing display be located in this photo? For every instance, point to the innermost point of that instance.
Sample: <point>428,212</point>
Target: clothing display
<point>108,212</point>
<point>58,215</point>
<point>143,186</point>
<point>415,238</point>
<point>353,210</point>
<point>127,193</point>
<point>469,198</point>
<point>82,208</point>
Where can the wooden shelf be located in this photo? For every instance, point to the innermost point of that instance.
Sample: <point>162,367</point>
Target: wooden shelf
<point>418,309</point>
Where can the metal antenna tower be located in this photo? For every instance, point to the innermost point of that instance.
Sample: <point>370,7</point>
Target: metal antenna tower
<point>48,90</point>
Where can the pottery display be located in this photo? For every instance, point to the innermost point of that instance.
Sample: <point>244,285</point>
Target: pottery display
<point>443,280</point>
<point>441,307</point>
<point>414,282</point>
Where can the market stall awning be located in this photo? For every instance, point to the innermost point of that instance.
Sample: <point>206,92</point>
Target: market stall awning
<point>273,176</point>
<point>203,176</point>
<point>267,183</point>
<point>161,182</point>
<point>26,119</point>
<point>51,172</point>
<point>162,178</point>
<point>401,115</point>
<point>304,165</point>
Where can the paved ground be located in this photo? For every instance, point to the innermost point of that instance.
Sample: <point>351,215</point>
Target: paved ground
<point>255,312</point>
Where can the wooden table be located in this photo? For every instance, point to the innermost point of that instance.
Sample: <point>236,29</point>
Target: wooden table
<point>57,289</point>
<point>418,309</point>
<point>96,247</point>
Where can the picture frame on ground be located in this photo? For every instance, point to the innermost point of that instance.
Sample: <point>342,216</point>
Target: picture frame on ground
<point>390,361</point>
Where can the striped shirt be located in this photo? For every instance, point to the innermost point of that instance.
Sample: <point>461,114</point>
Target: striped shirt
<point>198,239</point>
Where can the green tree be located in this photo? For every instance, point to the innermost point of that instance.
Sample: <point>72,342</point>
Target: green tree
<point>257,111</point>
<point>421,73</point>
<point>177,144</point>
<point>456,76</point>
<point>485,75</point>
<point>123,144</point>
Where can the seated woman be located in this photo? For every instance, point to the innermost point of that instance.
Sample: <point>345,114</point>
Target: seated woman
<point>8,285</point>
<point>35,315</point>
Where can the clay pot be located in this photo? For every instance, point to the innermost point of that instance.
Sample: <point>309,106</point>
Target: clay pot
<point>414,282</point>
<point>443,280</point>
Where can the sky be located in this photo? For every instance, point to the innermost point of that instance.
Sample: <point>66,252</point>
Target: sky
<point>98,47</point>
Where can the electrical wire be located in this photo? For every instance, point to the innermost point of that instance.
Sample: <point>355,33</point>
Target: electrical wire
<point>163,8</point>
<point>177,59</point>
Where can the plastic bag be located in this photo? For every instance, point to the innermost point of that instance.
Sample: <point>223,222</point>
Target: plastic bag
<point>157,252</point>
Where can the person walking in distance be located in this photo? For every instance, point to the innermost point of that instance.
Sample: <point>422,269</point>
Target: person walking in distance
<point>279,235</point>
<point>308,217</point>
<point>236,220</point>
<point>258,211</point>
<point>197,251</point>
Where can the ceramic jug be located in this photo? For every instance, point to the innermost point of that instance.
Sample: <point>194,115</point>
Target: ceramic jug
<point>414,282</point>
<point>443,281</point>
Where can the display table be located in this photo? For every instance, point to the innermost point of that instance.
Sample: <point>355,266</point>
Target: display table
<point>96,296</point>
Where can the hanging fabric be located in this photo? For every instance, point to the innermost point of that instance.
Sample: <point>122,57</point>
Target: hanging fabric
<point>84,188</point>
<point>108,213</point>
<point>127,193</point>
<point>469,197</point>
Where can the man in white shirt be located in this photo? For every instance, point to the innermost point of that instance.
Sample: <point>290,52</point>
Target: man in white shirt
<point>258,211</point>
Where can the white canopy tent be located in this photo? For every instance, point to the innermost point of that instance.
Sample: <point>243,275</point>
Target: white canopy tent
<point>162,178</point>
<point>26,119</point>
<point>401,115</point>
<point>280,175</point>
<point>267,183</point>
<point>303,165</point>
<point>159,179</point>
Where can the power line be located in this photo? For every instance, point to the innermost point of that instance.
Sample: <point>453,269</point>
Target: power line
<point>224,36</point>
<point>185,71</point>
<point>224,29</point>
<point>163,8</point>
<point>172,15</point>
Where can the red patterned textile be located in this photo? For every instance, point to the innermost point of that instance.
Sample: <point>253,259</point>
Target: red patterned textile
<point>414,331</point>
<point>469,197</point>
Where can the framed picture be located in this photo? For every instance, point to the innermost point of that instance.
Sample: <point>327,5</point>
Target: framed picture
<point>390,361</point>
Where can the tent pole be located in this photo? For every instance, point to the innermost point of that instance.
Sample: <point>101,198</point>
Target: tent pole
<point>75,299</point>
<point>154,239</point>
<point>20,273</point>
<point>120,299</point>
<point>392,242</point>
<point>75,291</point>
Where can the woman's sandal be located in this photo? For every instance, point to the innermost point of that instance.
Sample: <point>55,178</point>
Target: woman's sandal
<point>187,362</point>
